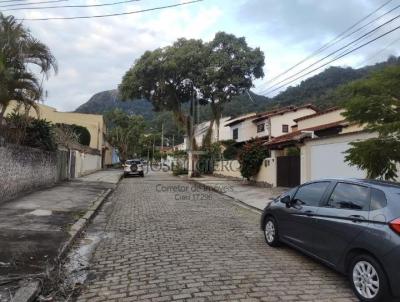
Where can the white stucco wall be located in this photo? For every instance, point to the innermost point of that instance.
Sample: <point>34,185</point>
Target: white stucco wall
<point>287,119</point>
<point>247,130</point>
<point>231,168</point>
<point>326,118</point>
<point>228,168</point>
<point>324,158</point>
<point>86,163</point>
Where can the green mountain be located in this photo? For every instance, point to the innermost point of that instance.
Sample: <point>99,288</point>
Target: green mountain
<point>105,101</point>
<point>318,90</point>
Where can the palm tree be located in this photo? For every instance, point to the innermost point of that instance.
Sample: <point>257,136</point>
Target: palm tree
<point>19,52</point>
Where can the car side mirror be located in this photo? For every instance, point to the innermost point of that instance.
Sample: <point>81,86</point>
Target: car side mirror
<point>286,200</point>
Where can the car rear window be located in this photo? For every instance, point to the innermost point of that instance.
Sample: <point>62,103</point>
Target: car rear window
<point>131,162</point>
<point>350,196</point>
<point>378,199</point>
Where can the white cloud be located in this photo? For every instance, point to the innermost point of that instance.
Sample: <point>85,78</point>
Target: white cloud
<point>94,54</point>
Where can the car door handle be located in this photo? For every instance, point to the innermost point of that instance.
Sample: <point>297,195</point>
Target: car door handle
<point>309,213</point>
<point>356,218</point>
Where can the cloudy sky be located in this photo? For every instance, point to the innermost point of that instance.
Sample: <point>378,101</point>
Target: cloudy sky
<point>94,54</point>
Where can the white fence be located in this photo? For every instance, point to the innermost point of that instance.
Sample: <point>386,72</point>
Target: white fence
<point>86,163</point>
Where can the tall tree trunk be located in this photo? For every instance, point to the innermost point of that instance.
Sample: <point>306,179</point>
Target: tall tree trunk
<point>2,112</point>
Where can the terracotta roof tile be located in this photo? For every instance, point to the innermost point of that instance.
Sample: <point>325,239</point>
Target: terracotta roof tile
<point>298,134</point>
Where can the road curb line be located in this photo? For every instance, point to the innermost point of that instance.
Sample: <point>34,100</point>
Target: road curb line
<point>29,292</point>
<point>80,225</point>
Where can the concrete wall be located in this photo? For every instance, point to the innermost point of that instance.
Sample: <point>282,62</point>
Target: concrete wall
<point>228,168</point>
<point>23,169</point>
<point>231,168</point>
<point>86,163</point>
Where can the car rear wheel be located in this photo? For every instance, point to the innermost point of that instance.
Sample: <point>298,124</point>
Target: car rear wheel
<point>368,279</point>
<point>271,232</point>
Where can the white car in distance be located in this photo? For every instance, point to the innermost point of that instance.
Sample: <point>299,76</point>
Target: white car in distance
<point>133,167</point>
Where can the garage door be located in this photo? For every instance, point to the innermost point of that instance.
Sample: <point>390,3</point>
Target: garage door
<point>328,161</point>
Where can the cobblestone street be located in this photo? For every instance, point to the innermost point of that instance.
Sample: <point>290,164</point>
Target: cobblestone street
<point>196,245</point>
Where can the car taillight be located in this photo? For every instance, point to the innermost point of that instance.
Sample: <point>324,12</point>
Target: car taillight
<point>395,225</point>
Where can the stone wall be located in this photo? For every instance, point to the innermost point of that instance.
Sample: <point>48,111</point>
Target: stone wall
<point>24,169</point>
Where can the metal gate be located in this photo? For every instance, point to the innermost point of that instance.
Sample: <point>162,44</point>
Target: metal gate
<point>288,171</point>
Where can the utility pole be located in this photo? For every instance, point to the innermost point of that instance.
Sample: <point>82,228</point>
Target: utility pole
<point>162,136</point>
<point>154,146</point>
<point>162,143</point>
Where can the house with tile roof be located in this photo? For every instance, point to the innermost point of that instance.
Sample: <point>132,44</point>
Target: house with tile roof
<point>267,125</point>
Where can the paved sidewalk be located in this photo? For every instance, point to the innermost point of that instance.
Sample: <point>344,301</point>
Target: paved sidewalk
<point>33,228</point>
<point>111,176</point>
<point>254,196</point>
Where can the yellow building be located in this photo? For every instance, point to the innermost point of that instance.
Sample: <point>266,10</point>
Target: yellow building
<point>94,123</point>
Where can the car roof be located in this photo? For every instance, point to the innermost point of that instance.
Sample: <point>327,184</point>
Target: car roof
<point>378,184</point>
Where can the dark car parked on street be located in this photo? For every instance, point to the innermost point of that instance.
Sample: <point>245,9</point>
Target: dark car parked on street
<point>352,225</point>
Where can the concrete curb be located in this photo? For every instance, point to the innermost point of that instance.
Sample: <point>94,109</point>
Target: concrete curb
<point>237,201</point>
<point>30,291</point>
<point>81,224</point>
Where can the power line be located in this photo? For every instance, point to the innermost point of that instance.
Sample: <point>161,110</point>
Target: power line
<point>378,52</point>
<point>334,52</point>
<point>337,39</point>
<point>335,59</point>
<point>31,3</point>
<point>72,6</point>
<point>113,15</point>
<point>7,1</point>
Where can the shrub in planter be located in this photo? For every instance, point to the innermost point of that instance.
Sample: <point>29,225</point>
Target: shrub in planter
<point>251,158</point>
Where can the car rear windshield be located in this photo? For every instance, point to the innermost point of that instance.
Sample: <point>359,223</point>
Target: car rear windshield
<point>131,162</point>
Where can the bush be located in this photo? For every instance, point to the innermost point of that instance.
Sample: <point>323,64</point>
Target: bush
<point>251,158</point>
<point>206,161</point>
<point>232,151</point>
<point>31,132</point>
<point>179,170</point>
<point>81,132</point>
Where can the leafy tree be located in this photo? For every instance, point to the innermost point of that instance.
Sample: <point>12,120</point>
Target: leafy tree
<point>251,158</point>
<point>231,68</point>
<point>20,53</point>
<point>375,102</point>
<point>125,133</point>
<point>169,78</point>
